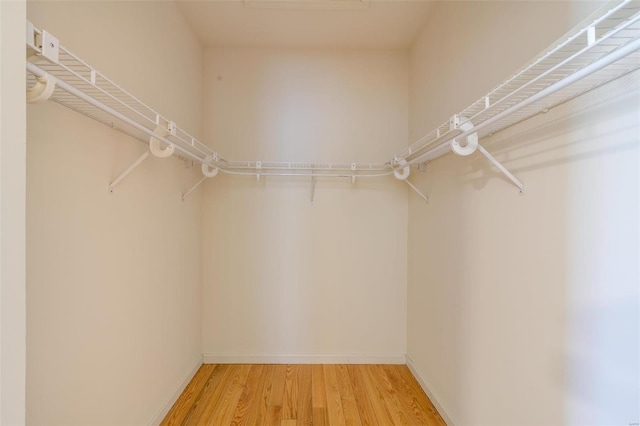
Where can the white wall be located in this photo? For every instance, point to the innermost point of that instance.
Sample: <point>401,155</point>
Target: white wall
<point>523,309</point>
<point>281,276</point>
<point>113,280</point>
<point>12,208</point>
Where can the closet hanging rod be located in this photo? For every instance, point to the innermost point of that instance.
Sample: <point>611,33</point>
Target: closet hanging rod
<point>309,166</point>
<point>316,175</point>
<point>39,72</point>
<point>582,73</point>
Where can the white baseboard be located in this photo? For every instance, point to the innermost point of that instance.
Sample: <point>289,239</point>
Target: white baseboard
<point>302,359</point>
<point>424,384</point>
<point>161,414</point>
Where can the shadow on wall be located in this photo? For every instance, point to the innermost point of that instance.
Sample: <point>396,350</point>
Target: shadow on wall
<point>595,141</point>
<point>538,295</point>
<point>602,104</point>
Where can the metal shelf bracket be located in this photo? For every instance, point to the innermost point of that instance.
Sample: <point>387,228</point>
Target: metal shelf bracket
<point>193,188</point>
<point>417,191</point>
<point>129,169</point>
<point>313,189</point>
<point>502,168</point>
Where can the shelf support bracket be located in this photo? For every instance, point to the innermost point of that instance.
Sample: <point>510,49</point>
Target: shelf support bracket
<point>412,186</point>
<point>193,188</point>
<point>503,169</point>
<point>313,188</point>
<point>129,169</point>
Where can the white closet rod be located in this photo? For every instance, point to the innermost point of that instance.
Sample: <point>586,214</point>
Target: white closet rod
<point>341,175</point>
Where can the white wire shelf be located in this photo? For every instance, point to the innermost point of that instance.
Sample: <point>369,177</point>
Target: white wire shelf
<point>603,49</point>
<point>540,85</point>
<point>75,77</point>
<point>72,71</point>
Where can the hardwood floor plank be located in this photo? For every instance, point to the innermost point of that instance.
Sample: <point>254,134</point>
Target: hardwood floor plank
<point>344,382</point>
<point>320,416</point>
<point>379,409</point>
<point>290,398</point>
<point>248,394</point>
<point>405,396</point>
<point>276,395</point>
<point>277,391</point>
<point>288,422</point>
<point>257,410</point>
<point>209,395</point>
<point>192,392</point>
<point>386,390</point>
<point>350,409</point>
<point>367,415</point>
<point>305,413</point>
<point>334,400</point>
<point>349,406</point>
<point>318,392</point>
<point>224,411</point>
<point>419,397</point>
<point>274,415</point>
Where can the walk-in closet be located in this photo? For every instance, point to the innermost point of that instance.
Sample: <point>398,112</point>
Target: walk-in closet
<point>320,212</point>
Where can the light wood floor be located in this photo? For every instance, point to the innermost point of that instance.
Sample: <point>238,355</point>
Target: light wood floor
<point>291,395</point>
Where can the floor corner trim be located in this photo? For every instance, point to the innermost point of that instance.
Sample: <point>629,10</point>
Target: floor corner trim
<point>424,384</point>
<point>162,412</point>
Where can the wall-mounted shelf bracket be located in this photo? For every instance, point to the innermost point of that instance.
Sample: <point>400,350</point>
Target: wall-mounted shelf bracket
<point>41,43</point>
<point>417,191</point>
<point>193,188</point>
<point>402,169</point>
<point>313,188</point>
<point>502,168</point>
<point>155,146</point>
<point>469,143</point>
<point>129,169</point>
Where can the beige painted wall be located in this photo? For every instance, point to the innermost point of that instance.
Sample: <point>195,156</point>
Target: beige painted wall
<point>523,309</point>
<point>113,280</point>
<point>281,276</point>
<point>12,209</point>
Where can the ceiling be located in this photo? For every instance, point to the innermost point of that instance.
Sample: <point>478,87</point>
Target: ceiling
<point>363,24</point>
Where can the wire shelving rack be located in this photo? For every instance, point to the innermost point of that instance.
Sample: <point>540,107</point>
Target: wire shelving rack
<point>601,50</point>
